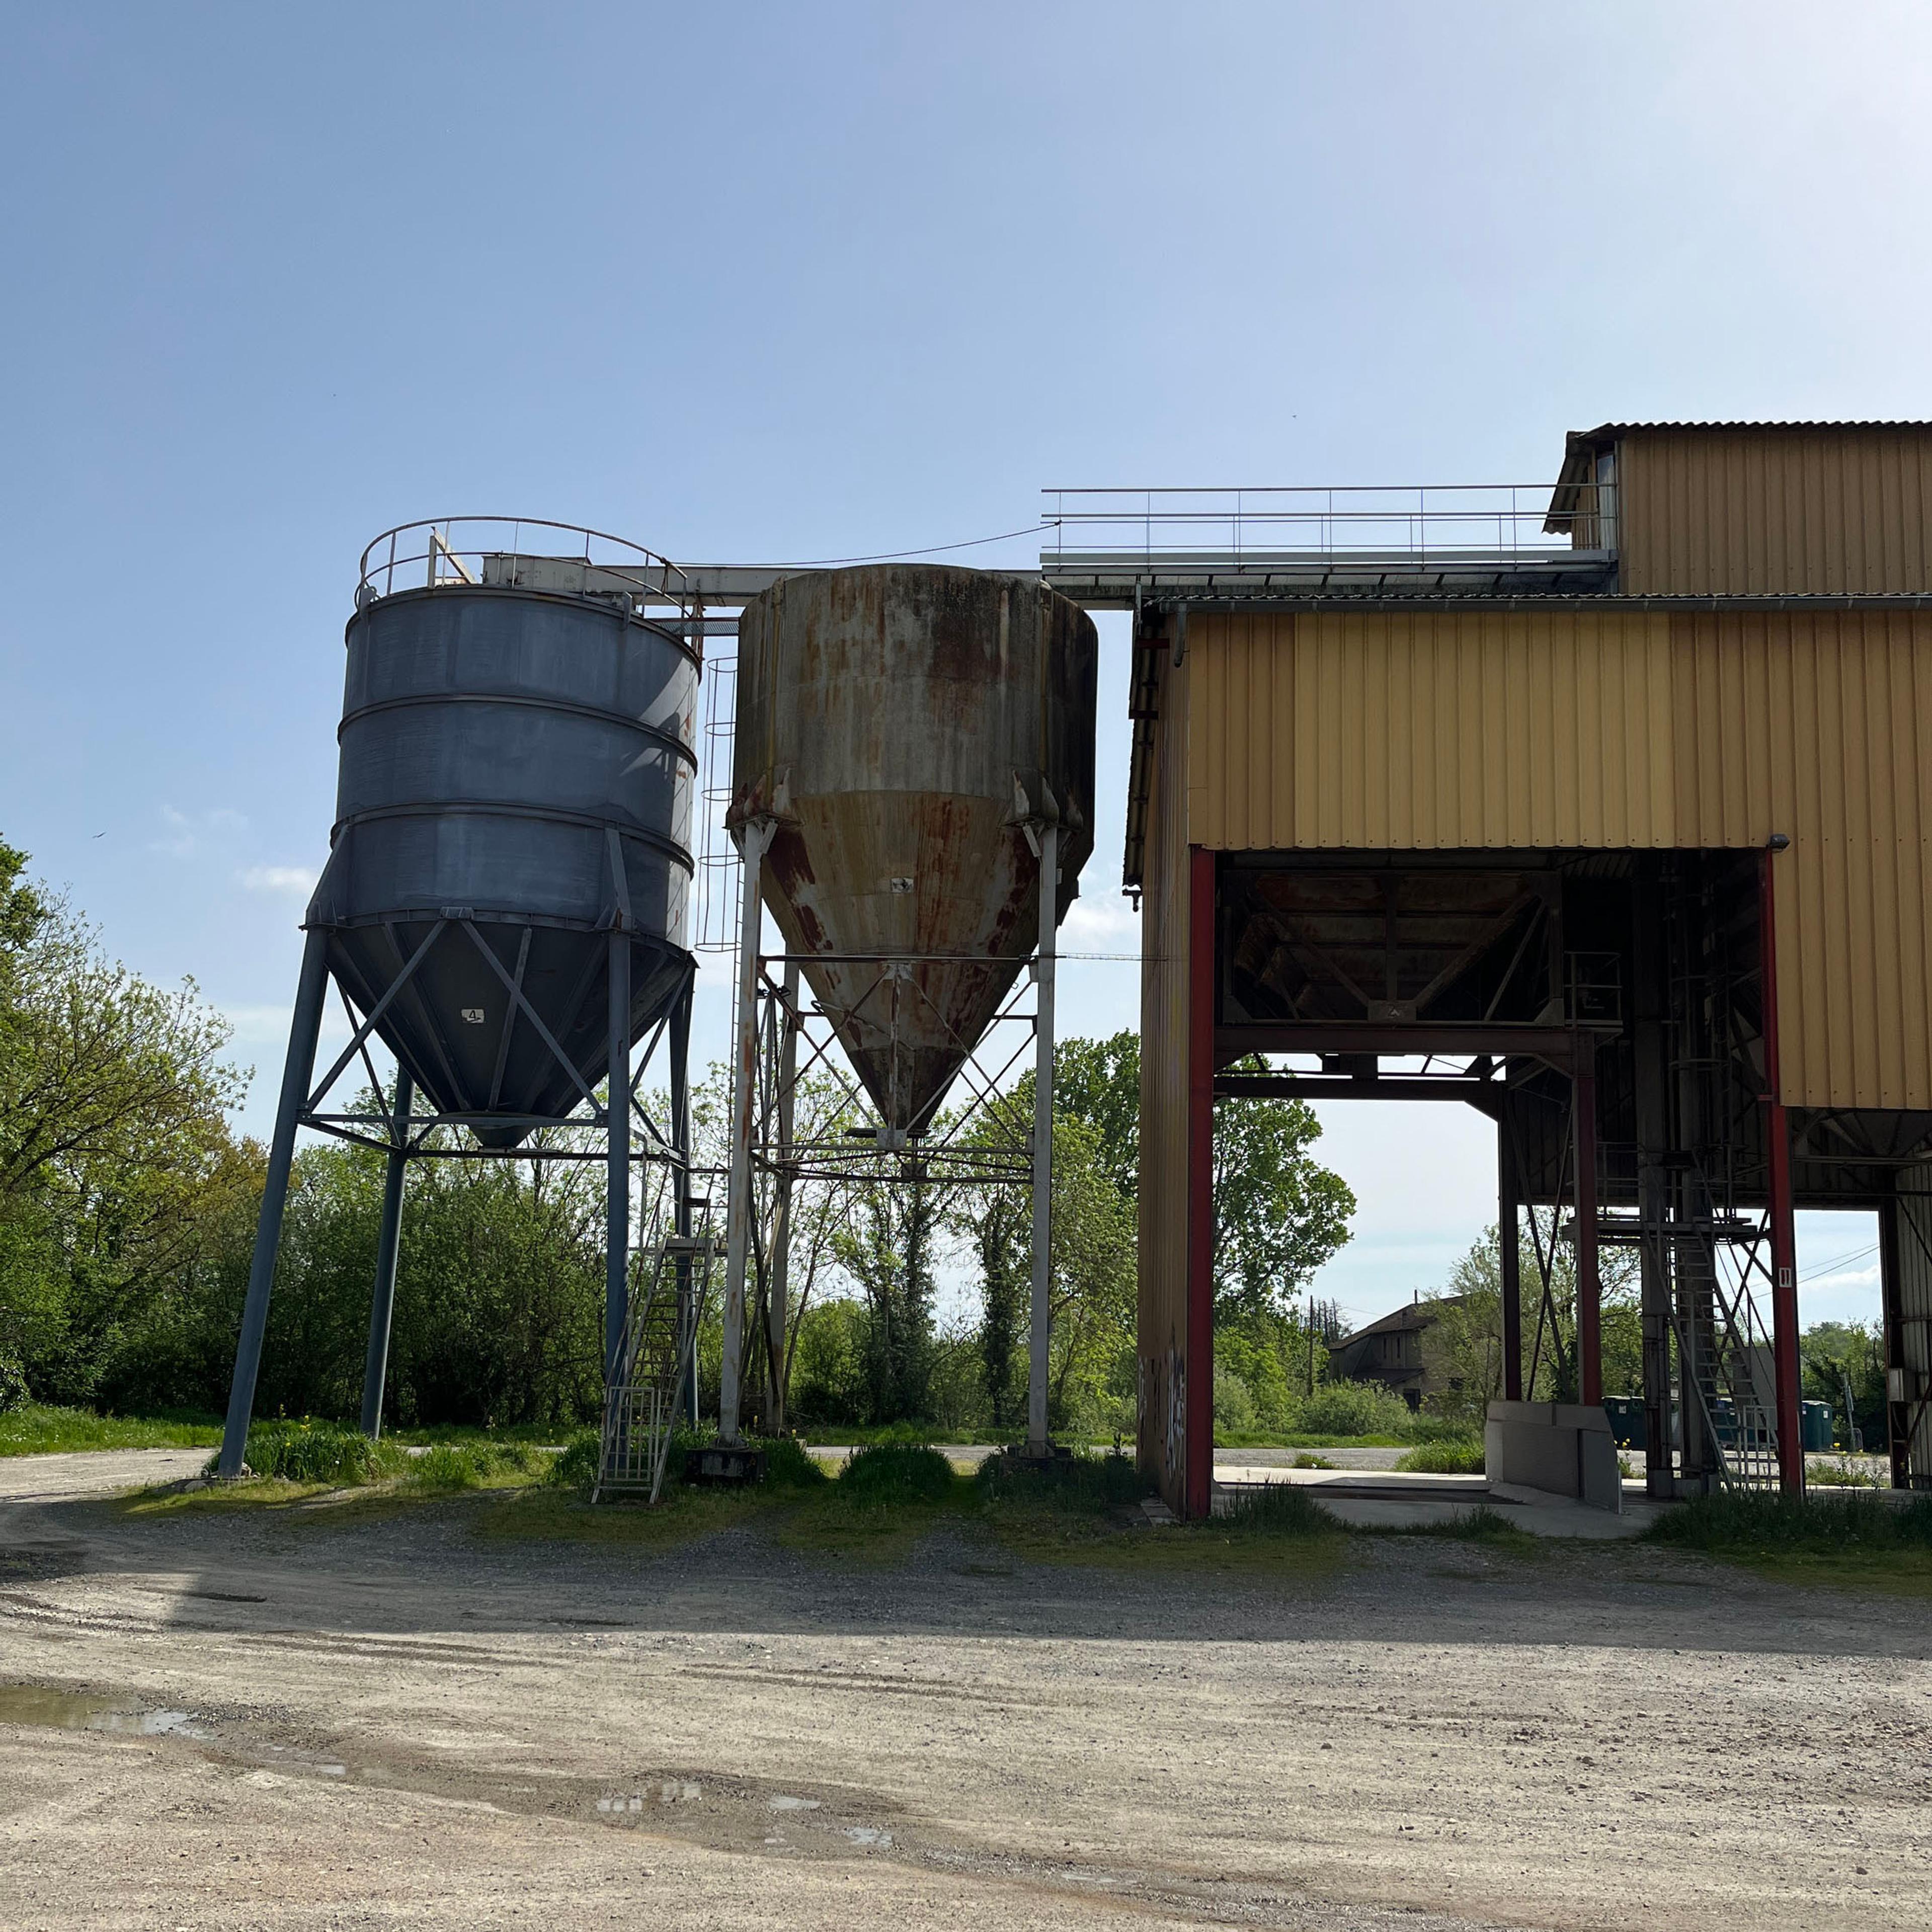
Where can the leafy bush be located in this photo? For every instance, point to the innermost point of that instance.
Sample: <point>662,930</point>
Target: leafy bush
<point>1449,1456</point>
<point>577,1467</point>
<point>13,1392</point>
<point>1080,1482</point>
<point>1280,1509</point>
<point>1355,1409</point>
<point>895,1472</point>
<point>1425,1427</point>
<point>1234,1405</point>
<point>1822,1525</point>
<point>789,1465</point>
<point>1308,1461</point>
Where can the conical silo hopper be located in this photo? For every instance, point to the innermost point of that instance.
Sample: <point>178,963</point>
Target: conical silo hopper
<point>898,724</point>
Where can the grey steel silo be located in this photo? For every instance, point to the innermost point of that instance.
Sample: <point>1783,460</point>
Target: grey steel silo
<point>505,903</point>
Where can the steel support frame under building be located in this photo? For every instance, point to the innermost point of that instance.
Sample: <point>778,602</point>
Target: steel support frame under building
<point>1495,1052</point>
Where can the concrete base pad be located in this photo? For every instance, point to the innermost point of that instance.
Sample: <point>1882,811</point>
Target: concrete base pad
<point>1392,1500</point>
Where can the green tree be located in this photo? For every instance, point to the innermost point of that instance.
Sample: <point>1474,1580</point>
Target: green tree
<point>886,1247</point>
<point>113,1138</point>
<point>1099,1081</point>
<point>1278,1214</point>
<point>1843,1360</point>
<point>1464,1346</point>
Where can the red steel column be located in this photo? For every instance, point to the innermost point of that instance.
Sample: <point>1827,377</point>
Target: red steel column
<point>1783,1225</point>
<point>1509,1254</point>
<point>1200,1491</point>
<point>1589,1285</point>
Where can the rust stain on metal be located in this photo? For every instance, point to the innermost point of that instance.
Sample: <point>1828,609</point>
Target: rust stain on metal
<point>884,715</point>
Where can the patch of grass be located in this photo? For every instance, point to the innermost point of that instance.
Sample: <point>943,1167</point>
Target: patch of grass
<point>789,1465</point>
<point>1086,1483</point>
<point>542,1513</point>
<point>1311,1462</point>
<point>1853,1541</point>
<point>323,1453</point>
<point>1771,1520</point>
<point>1276,1533</point>
<point>1484,1524</point>
<point>447,1467</point>
<point>1842,1474</point>
<point>1453,1456</point>
<point>1279,1509</point>
<point>1303,1438</point>
<point>41,1429</point>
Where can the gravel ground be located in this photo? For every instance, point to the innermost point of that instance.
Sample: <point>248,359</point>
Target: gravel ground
<point>233,1721</point>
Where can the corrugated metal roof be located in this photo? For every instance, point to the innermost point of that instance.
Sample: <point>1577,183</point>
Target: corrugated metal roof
<point>1603,429</point>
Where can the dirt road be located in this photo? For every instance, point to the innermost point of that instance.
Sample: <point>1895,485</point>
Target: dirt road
<point>403,1723</point>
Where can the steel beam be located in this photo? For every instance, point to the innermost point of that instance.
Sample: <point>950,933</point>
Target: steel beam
<point>1564,1048</point>
<point>388,1241</point>
<point>303,1030</point>
<point>617,1170</point>
<point>1651,1077</point>
<point>682,1203</point>
<point>1589,1283</point>
<point>1039,1329</point>
<point>1485,1096</point>
<point>754,840</point>
<point>1509,1255</point>
<point>1203,1039</point>
<point>1783,1226</point>
<point>777,1315</point>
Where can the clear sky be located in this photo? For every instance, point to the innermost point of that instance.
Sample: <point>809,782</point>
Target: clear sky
<point>772,282</point>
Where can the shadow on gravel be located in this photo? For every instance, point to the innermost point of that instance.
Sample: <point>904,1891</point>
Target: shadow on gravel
<point>993,1557</point>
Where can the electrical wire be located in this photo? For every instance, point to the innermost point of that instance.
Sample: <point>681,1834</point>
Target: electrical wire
<point>897,555</point>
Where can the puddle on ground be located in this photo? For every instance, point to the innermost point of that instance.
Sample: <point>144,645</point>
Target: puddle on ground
<point>82,1711</point>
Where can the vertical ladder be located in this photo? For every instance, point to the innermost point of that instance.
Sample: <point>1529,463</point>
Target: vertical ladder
<point>641,1403</point>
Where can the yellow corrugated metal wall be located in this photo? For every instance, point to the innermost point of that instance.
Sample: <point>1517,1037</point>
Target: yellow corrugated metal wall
<point>1603,729</point>
<point>1711,511</point>
<point>1163,1151</point>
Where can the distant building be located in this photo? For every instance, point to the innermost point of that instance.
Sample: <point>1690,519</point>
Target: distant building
<point>1395,1352</point>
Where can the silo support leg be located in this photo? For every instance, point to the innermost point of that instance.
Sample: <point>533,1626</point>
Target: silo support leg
<point>680,1139</point>
<point>779,1316</point>
<point>617,1173</point>
<point>304,1031</point>
<point>1040,1332</point>
<point>383,1302</point>
<point>1509,1255</point>
<point>753,840</point>
<point>1589,1285</point>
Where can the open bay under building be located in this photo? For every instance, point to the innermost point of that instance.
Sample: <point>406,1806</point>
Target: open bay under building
<point>1606,812</point>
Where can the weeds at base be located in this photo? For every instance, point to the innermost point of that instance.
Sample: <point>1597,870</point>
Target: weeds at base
<point>1847,1540</point>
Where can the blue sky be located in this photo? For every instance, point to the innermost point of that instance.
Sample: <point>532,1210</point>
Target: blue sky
<point>771,282</point>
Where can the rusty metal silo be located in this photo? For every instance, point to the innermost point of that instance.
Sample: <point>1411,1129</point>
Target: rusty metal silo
<point>899,727</point>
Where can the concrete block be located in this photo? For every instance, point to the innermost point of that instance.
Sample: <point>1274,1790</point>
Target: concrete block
<point>1563,1449</point>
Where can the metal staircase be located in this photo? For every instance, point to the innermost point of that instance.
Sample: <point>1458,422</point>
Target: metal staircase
<point>644,1398</point>
<point>1724,1357</point>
